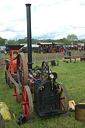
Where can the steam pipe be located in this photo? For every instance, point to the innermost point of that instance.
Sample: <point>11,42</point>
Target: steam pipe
<point>29,41</point>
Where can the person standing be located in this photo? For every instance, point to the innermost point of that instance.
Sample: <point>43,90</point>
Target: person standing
<point>5,52</point>
<point>0,53</point>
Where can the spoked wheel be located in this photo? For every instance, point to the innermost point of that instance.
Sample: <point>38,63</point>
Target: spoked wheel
<point>22,70</point>
<point>16,93</point>
<point>27,102</point>
<point>63,97</point>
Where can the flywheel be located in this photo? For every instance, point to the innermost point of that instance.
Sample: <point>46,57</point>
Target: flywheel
<point>22,70</point>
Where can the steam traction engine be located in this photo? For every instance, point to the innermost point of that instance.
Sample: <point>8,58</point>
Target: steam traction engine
<point>50,97</point>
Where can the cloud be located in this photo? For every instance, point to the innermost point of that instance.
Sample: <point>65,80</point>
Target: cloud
<point>50,18</point>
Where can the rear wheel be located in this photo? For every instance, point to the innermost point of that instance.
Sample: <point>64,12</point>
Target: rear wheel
<point>22,70</point>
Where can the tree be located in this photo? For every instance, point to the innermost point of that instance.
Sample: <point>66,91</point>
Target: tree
<point>2,41</point>
<point>72,37</point>
<point>35,41</point>
<point>12,42</point>
<point>63,40</point>
<point>22,41</point>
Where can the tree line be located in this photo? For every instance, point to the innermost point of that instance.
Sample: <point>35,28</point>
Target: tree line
<point>66,41</point>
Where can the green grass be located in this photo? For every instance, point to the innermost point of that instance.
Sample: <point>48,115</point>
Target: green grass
<point>72,75</point>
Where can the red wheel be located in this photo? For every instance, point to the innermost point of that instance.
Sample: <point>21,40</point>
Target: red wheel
<point>27,102</point>
<point>16,94</point>
<point>61,50</point>
<point>63,97</point>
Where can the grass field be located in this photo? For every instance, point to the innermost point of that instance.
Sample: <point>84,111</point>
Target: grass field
<point>72,75</point>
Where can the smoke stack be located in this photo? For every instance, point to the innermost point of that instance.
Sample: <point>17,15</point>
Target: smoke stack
<point>29,41</point>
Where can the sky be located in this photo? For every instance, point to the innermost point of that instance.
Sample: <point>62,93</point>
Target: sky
<point>50,19</point>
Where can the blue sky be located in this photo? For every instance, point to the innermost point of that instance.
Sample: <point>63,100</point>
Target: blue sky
<point>53,19</point>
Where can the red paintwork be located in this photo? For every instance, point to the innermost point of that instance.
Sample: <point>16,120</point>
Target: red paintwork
<point>31,81</point>
<point>13,63</point>
<point>25,102</point>
<point>15,94</point>
<point>61,49</point>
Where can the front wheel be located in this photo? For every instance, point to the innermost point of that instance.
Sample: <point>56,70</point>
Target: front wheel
<point>27,102</point>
